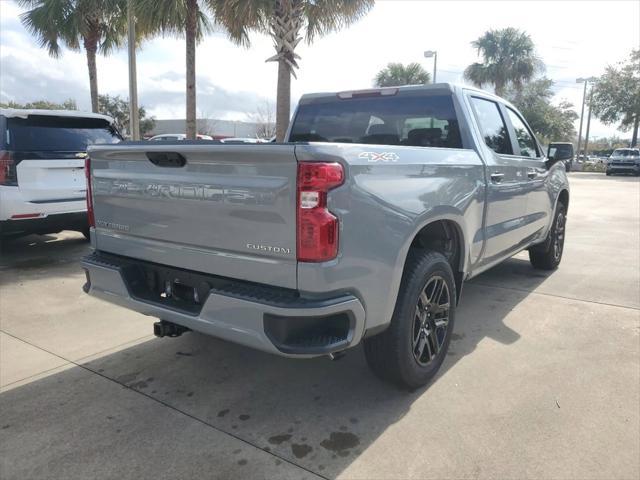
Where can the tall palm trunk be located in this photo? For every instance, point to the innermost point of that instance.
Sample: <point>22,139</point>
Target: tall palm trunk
<point>285,29</point>
<point>636,124</point>
<point>283,100</point>
<point>190,34</point>
<point>91,47</point>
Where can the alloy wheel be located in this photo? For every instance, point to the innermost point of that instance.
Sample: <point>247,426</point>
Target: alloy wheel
<point>431,320</point>
<point>558,241</point>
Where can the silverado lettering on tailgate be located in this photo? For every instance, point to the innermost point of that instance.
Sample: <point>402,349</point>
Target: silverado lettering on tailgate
<point>184,191</point>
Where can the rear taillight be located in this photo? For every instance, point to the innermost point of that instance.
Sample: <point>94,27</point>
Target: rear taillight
<point>8,175</point>
<point>87,174</point>
<point>317,228</point>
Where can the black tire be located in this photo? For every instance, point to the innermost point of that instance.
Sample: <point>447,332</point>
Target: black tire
<point>393,354</point>
<point>547,255</point>
<point>87,234</point>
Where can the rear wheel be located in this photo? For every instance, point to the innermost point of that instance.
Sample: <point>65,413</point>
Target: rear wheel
<point>411,350</point>
<point>86,233</point>
<point>547,256</point>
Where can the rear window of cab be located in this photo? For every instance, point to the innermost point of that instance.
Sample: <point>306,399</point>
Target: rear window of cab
<point>425,121</point>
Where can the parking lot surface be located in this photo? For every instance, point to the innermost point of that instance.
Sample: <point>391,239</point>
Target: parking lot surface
<point>542,379</point>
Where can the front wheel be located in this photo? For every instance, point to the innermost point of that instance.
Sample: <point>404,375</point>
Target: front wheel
<point>411,350</point>
<point>547,256</point>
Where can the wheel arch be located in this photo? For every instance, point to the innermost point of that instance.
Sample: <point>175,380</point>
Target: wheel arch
<point>563,197</point>
<point>444,235</point>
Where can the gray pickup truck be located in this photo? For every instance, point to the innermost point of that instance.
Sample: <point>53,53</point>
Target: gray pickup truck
<point>362,227</point>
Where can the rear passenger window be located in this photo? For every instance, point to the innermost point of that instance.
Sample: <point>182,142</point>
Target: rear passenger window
<point>523,135</point>
<point>492,125</point>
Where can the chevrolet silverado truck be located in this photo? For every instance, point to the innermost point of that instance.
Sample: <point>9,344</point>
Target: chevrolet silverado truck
<point>362,227</point>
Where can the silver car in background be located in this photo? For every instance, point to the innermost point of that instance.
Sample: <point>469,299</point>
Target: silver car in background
<point>624,160</point>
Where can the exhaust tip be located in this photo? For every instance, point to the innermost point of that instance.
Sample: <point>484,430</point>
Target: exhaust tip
<point>337,355</point>
<point>167,329</point>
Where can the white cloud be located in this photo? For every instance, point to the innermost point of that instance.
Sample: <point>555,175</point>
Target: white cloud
<point>573,39</point>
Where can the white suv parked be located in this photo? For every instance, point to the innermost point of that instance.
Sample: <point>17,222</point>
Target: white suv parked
<point>42,182</point>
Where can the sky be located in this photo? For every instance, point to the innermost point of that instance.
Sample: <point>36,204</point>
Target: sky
<point>573,38</point>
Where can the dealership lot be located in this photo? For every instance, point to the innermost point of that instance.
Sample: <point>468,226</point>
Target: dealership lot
<point>542,380</point>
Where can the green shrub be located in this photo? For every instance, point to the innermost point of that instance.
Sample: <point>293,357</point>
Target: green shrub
<point>594,167</point>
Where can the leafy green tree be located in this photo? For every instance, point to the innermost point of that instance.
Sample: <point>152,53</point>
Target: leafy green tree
<point>549,122</point>
<point>98,26</point>
<point>181,18</point>
<point>287,22</point>
<point>508,57</point>
<point>396,74</point>
<point>118,109</point>
<point>69,104</point>
<point>616,96</point>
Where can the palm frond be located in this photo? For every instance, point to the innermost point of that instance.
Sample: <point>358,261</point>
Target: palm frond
<point>169,18</point>
<point>326,16</point>
<point>397,74</point>
<point>239,17</point>
<point>508,57</point>
<point>50,23</point>
<point>57,23</point>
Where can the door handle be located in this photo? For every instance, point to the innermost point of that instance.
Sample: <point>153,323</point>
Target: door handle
<point>497,177</point>
<point>532,174</point>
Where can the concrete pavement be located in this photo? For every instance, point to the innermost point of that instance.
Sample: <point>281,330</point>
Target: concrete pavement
<point>542,380</point>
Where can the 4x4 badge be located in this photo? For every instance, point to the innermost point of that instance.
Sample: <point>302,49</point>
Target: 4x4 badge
<point>373,157</point>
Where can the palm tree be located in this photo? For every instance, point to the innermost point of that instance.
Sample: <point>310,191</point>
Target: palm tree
<point>286,21</point>
<point>180,18</point>
<point>98,26</point>
<point>508,57</point>
<point>396,74</point>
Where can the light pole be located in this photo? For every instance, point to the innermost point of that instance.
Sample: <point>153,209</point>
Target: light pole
<point>434,54</point>
<point>584,96</point>
<point>586,136</point>
<point>134,122</point>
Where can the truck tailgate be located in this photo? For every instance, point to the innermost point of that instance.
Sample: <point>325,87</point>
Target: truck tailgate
<point>230,210</point>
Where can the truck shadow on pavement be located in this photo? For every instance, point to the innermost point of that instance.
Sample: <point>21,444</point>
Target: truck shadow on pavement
<point>317,414</point>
